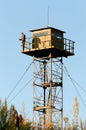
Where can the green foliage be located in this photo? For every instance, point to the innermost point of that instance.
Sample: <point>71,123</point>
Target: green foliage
<point>25,126</point>
<point>3,115</point>
<point>7,118</point>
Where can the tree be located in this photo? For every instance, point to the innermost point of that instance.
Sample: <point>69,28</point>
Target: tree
<point>3,115</point>
<point>75,111</point>
<point>10,120</point>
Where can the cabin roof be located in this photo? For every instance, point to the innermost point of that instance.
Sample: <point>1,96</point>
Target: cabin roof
<point>47,28</point>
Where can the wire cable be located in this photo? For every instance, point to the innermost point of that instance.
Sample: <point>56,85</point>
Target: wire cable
<point>84,90</point>
<point>20,91</point>
<point>18,81</point>
<point>79,86</point>
<point>74,85</point>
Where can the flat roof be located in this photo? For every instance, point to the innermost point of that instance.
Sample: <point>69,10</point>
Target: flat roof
<point>47,28</point>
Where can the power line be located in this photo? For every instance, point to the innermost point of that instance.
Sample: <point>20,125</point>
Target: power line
<point>75,86</point>
<point>19,91</point>
<point>18,81</point>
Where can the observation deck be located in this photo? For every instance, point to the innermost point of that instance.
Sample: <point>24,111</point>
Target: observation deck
<point>46,41</point>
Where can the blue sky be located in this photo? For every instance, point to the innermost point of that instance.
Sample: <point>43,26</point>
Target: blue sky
<point>21,16</point>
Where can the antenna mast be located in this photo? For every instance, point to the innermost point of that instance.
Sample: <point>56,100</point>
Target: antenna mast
<point>48,16</point>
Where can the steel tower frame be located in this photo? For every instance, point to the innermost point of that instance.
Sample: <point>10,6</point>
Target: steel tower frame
<point>48,92</point>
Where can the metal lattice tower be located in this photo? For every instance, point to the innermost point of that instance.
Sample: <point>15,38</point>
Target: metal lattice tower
<point>48,46</point>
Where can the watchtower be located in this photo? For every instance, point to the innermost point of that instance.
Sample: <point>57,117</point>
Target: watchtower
<point>48,46</point>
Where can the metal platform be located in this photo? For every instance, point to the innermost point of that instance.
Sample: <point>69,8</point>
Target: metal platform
<point>68,50</point>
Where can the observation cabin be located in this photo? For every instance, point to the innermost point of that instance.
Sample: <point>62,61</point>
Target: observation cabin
<point>46,41</point>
